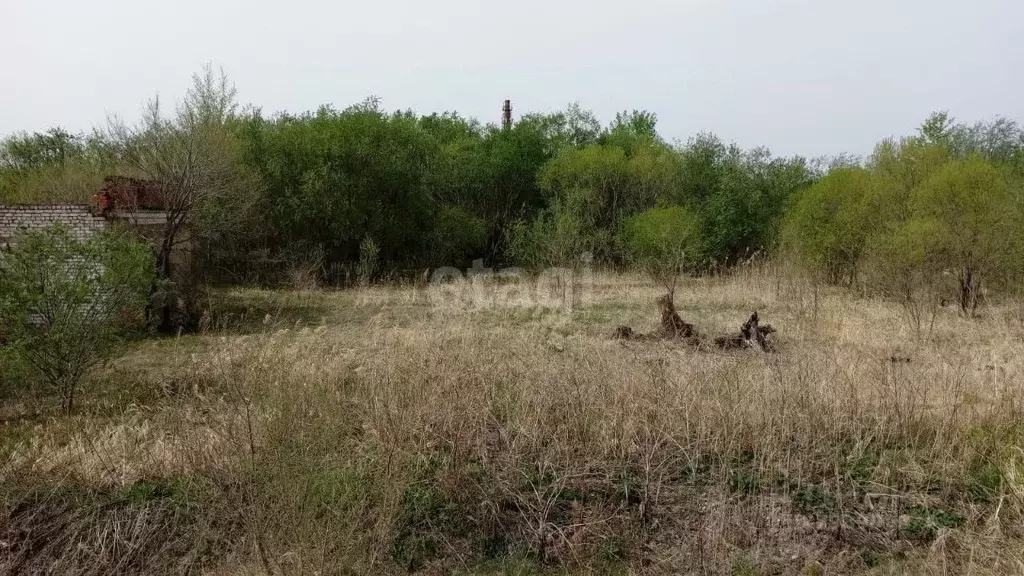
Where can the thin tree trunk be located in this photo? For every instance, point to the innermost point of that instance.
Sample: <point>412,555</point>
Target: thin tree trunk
<point>967,291</point>
<point>69,398</point>
<point>163,274</point>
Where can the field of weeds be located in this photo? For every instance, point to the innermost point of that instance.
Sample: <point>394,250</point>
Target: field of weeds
<point>396,429</point>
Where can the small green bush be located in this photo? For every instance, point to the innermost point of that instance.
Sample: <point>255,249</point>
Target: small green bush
<point>664,242</point>
<point>831,223</point>
<point>68,302</point>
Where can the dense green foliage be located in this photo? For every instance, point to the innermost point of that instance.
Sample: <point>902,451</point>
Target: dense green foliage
<point>948,202</point>
<point>53,166</point>
<point>275,194</point>
<point>290,191</point>
<point>833,219</point>
<point>664,242</point>
<point>442,190</point>
<point>428,190</point>
<point>65,303</point>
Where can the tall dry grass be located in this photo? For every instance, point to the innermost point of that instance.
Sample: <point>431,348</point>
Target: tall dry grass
<point>390,434</point>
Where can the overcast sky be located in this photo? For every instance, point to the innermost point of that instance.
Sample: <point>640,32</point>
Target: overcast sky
<point>799,76</point>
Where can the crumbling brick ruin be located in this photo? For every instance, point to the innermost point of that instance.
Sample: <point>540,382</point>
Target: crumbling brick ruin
<point>121,195</point>
<point>136,202</point>
<point>77,217</point>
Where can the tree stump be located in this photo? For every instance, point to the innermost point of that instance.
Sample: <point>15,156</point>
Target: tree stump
<point>672,326</point>
<point>752,334</point>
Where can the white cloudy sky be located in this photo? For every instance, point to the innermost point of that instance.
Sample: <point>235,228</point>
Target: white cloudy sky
<point>800,76</point>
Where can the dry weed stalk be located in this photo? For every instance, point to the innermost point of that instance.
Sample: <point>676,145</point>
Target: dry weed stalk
<point>435,442</point>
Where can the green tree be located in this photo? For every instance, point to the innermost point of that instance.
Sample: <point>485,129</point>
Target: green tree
<point>664,242</point>
<point>332,178</point>
<point>28,152</point>
<point>702,163</point>
<point>509,191</point>
<point>631,130</point>
<point>67,302</point>
<point>191,155</point>
<point>601,186</point>
<point>558,236</point>
<point>901,263</point>
<point>743,214</point>
<point>740,195</point>
<point>831,222</point>
<point>575,127</point>
<point>593,185</point>
<point>975,223</point>
<point>457,237</point>
<point>902,166</point>
<point>938,128</point>
<point>488,175</point>
<point>1000,140</point>
<point>53,166</point>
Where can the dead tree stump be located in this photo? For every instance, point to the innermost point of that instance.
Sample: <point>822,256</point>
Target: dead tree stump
<point>672,326</point>
<point>752,334</point>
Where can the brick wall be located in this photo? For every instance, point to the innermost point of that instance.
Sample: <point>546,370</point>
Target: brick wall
<point>76,217</point>
<point>83,224</point>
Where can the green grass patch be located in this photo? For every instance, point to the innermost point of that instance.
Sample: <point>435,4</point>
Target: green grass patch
<point>925,523</point>
<point>427,515</point>
<point>811,499</point>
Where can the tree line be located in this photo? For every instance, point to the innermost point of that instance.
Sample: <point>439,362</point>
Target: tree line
<point>362,192</point>
<point>425,191</point>
<point>936,215</point>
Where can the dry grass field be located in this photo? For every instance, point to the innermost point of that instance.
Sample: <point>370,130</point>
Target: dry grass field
<point>389,430</point>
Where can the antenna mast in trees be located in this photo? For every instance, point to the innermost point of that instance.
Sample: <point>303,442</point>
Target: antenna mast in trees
<point>506,114</point>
